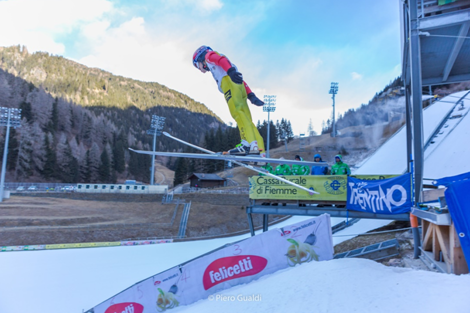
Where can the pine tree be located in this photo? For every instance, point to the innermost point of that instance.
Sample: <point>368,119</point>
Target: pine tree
<point>209,166</point>
<point>52,126</point>
<point>26,111</point>
<point>104,169</point>
<point>219,145</point>
<point>273,137</point>
<point>38,154</point>
<point>41,105</point>
<point>139,166</point>
<point>23,168</point>
<point>63,156</point>
<point>12,156</point>
<point>5,89</point>
<point>118,154</point>
<point>263,131</point>
<point>49,170</point>
<point>310,131</point>
<point>290,133</point>
<point>94,162</point>
<point>64,115</point>
<point>181,171</point>
<point>85,170</point>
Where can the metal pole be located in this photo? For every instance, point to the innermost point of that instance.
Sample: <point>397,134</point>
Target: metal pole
<point>269,102</point>
<point>155,126</point>
<point>152,177</point>
<point>407,85</point>
<point>285,138</point>
<point>5,153</point>
<point>267,150</point>
<point>333,92</point>
<point>416,90</point>
<point>409,133</point>
<point>334,125</point>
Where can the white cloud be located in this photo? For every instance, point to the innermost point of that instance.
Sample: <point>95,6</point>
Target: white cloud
<point>95,30</point>
<point>210,5</point>
<point>38,24</point>
<point>356,76</point>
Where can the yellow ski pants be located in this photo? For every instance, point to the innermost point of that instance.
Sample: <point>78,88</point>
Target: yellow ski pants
<point>235,95</point>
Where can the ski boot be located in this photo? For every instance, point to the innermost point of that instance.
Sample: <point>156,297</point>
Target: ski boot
<point>242,149</point>
<point>254,150</point>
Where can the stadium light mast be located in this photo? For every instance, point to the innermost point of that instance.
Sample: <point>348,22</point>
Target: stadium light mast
<point>269,106</point>
<point>8,117</point>
<point>155,126</point>
<point>333,92</point>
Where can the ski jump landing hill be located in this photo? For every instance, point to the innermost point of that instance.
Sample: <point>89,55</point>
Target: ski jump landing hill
<point>446,129</point>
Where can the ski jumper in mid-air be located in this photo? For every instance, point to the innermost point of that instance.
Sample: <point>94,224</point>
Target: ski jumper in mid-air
<point>236,91</point>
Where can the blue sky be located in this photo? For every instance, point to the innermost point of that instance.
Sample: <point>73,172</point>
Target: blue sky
<point>292,49</point>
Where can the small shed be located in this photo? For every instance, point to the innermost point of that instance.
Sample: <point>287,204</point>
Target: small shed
<point>201,180</point>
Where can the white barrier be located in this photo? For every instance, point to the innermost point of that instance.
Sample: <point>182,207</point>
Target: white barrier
<point>239,263</point>
<point>117,188</point>
<point>6,194</point>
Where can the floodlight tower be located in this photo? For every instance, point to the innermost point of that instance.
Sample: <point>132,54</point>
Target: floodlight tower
<point>333,92</point>
<point>155,126</point>
<point>269,106</point>
<point>8,117</point>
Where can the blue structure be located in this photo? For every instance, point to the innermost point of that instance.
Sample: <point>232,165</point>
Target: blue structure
<point>458,201</point>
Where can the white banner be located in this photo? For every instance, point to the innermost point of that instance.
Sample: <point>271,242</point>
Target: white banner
<point>239,263</point>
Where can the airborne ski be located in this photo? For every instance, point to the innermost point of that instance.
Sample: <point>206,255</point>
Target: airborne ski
<point>235,159</point>
<point>211,155</point>
<point>227,158</point>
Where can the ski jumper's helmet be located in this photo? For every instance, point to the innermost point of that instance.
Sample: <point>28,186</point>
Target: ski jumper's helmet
<point>200,52</point>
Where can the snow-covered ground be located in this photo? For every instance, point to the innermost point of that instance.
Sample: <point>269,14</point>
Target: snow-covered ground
<point>343,285</point>
<point>59,281</point>
<point>391,157</point>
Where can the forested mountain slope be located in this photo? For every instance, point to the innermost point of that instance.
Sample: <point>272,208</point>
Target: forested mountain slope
<point>78,122</point>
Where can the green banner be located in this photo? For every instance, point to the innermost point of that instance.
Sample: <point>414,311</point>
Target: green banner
<point>331,188</point>
<point>442,2</point>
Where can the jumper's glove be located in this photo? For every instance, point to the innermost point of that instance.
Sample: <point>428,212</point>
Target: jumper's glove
<point>255,100</point>
<point>235,76</point>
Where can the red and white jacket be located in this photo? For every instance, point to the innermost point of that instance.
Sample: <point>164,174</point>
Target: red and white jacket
<point>219,64</point>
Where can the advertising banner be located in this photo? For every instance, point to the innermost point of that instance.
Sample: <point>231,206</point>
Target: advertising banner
<point>458,200</point>
<point>239,263</point>
<point>22,248</point>
<point>83,245</point>
<point>387,196</point>
<point>155,294</point>
<point>331,188</point>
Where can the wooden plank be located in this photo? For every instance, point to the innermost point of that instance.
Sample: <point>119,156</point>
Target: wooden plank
<point>459,264</point>
<point>442,234</point>
<point>428,235</point>
<point>436,248</point>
